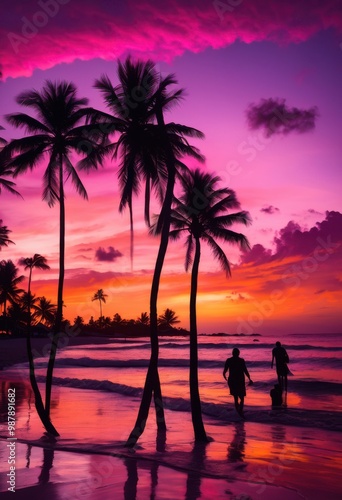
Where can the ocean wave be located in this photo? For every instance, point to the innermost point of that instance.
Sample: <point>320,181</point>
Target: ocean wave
<point>288,416</point>
<point>86,361</point>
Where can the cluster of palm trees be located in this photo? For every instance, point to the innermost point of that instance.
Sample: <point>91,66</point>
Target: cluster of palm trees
<point>150,153</point>
<point>168,319</point>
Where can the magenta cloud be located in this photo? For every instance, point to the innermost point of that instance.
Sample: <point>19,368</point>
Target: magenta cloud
<point>47,32</point>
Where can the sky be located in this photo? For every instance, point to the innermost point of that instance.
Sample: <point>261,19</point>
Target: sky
<point>231,57</point>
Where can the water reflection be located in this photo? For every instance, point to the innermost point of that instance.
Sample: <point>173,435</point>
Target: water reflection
<point>193,482</point>
<point>236,448</point>
<point>48,456</point>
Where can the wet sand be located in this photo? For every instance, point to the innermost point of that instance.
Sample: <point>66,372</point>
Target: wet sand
<point>245,460</point>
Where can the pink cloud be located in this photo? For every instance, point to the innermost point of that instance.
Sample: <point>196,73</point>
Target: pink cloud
<point>44,33</point>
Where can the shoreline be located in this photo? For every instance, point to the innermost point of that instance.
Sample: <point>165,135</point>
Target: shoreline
<point>244,459</point>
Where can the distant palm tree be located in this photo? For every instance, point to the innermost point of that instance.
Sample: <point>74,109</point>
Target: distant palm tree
<point>9,284</point>
<point>101,297</point>
<point>203,214</point>
<point>168,318</point>
<point>4,239</point>
<point>58,129</point>
<point>37,261</point>
<point>45,311</point>
<point>117,319</point>
<point>143,319</point>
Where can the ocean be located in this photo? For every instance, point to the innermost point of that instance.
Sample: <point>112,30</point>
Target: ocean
<point>314,386</point>
<point>289,453</point>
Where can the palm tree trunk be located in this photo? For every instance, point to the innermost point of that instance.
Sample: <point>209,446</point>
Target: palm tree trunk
<point>131,233</point>
<point>152,381</point>
<point>37,396</point>
<point>196,411</point>
<point>59,314</point>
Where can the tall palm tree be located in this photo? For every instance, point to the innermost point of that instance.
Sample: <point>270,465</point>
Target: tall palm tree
<point>58,128</point>
<point>4,238</point>
<point>101,297</point>
<point>150,153</point>
<point>168,318</point>
<point>203,213</point>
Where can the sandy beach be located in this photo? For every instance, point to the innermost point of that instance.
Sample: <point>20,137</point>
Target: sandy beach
<point>245,459</point>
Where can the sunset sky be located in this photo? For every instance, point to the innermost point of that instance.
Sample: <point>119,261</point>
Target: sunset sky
<point>228,55</point>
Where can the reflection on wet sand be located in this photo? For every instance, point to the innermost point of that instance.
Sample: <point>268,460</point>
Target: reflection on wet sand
<point>236,448</point>
<point>193,483</point>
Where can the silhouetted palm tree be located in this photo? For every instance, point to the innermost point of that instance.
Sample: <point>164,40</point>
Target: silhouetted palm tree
<point>170,145</point>
<point>4,239</point>
<point>58,129</point>
<point>45,311</point>
<point>168,318</point>
<point>9,284</point>
<point>143,319</point>
<point>203,213</point>
<point>101,297</point>
<point>4,170</point>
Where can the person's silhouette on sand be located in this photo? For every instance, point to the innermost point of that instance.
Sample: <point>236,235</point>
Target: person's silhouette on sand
<point>276,395</point>
<point>236,379</point>
<point>281,358</point>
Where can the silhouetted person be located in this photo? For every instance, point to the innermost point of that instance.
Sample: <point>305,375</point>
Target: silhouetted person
<point>236,379</point>
<point>281,358</point>
<point>276,395</point>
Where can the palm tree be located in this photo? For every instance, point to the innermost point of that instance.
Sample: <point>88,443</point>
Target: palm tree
<point>149,154</point>
<point>9,282</point>
<point>37,261</point>
<point>4,170</point>
<point>58,129</point>
<point>203,214</point>
<point>143,319</point>
<point>4,239</point>
<point>101,297</point>
<point>168,318</point>
<point>45,311</point>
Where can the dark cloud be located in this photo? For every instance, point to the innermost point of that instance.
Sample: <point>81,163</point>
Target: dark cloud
<point>107,256</point>
<point>294,241</point>
<point>269,210</point>
<point>258,255</point>
<point>275,117</point>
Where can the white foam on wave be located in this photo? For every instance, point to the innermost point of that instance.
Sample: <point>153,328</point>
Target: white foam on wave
<point>329,420</point>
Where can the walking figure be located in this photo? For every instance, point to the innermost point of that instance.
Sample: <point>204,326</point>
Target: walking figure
<point>236,379</point>
<point>281,358</point>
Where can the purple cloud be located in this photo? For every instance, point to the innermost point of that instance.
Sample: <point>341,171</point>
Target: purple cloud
<point>107,256</point>
<point>275,117</point>
<point>269,210</point>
